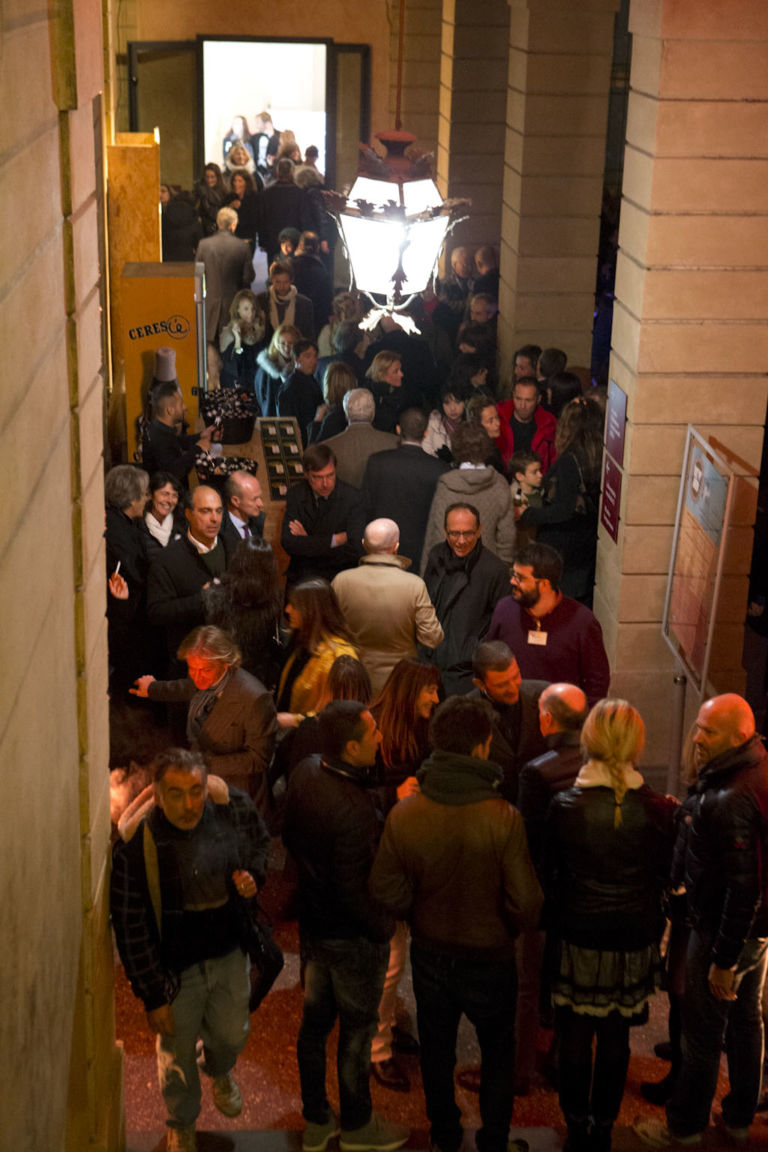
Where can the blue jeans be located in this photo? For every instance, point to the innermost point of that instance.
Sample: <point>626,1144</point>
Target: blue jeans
<point>485,991</point>
<point>704,1023</point>
<point>212,1004</point>
<point>342,978</point>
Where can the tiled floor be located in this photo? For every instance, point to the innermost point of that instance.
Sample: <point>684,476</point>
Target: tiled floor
<point>266,1071</point>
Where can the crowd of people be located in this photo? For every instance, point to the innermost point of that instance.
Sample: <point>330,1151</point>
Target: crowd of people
<point>422,712</point>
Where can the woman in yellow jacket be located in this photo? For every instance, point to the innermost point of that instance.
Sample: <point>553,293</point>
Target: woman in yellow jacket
<point>318,636</point>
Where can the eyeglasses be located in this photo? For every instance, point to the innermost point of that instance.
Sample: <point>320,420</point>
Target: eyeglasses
<point>462,535</point>
<point>519,577</point>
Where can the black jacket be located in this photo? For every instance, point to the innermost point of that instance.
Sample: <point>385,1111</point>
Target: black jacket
<point>332,828</point>
<point>300,396</point>
<point>312,281</point>
<point>283,205</point>
<point>725,860</point>
<point>465,592</point>
<point>174,590</point>
<point>604,883</point>
<point>398,485</point>
<point>541,779</point>
<point>127,623</point>
<point>517,736</point>
<point>312,555</point>
<point>163,451</point>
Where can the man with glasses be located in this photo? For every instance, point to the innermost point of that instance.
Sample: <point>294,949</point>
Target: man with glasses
<point>465,581</point>
<point>553,637</point>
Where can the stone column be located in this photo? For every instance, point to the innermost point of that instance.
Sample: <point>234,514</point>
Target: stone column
<point>559,77</point>
<point>473,97</point>
<point>690,338</point>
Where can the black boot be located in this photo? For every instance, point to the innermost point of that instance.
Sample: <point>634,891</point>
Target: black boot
<point>601,1136</point>
<point>578,1137</point>
<point>658,1093</point>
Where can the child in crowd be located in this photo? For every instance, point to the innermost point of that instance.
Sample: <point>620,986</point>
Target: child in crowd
<point>527,492</point>
<point>525,470</point>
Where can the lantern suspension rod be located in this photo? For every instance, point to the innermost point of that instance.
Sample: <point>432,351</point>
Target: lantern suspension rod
<point>400,35</point>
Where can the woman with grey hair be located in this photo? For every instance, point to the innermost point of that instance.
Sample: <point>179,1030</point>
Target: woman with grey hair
<point>231,717</point>
<point>126,489</point>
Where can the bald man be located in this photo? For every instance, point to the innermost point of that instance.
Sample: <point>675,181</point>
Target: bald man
<point>243,514</point>
<point>562,712</point>
<point>387,609</point>
<point>726,872</point>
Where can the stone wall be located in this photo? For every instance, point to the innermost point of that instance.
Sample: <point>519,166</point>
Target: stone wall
<point>690,340</point>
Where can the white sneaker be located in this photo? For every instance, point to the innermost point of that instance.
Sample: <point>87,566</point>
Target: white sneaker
<point>226,1095</point>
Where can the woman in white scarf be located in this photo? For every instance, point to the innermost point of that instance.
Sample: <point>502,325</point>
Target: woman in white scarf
<point>608,849</point>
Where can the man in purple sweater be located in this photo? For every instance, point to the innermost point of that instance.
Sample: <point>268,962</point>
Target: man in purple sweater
<point>553,637</point>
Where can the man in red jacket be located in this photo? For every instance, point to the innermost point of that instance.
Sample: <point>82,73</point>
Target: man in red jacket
<point>525,425</point>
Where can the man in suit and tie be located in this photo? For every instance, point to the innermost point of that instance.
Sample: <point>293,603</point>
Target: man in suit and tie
<point>399,485</point>
<point>244,509</point>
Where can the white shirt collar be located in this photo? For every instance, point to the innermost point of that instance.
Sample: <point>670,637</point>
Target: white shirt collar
<point>201,548</point>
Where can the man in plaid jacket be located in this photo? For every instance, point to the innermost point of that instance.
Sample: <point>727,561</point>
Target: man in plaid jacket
<point>178,880</point>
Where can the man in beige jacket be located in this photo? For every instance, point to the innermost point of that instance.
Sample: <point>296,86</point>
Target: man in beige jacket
<point>387,609</point>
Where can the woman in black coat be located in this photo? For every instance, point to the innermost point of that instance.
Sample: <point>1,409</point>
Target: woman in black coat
<point>607,853</point>
<point>567,518</point>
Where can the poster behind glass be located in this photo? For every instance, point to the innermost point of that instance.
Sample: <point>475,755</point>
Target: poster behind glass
<point>691,606</point>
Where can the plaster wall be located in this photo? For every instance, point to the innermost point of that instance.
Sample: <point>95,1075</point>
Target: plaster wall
<point>56,1015</point>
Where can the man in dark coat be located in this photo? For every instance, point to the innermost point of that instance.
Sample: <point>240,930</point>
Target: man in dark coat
<point>726,874</point>
<point>228,269</point>
<point>332,829</point>
<point>399,485</point>
<point>323,523</point>
<point>301,395</point>
<point>562,712</point>
<point>465,581</point>
<point>178,573</point>
<point>517,737</point>
<point>164,447</point>
<point>284,205</point>
<point>126,489</point>
<point>312,280</point>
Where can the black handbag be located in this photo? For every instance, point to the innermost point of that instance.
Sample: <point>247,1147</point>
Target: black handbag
<point>266,956</point>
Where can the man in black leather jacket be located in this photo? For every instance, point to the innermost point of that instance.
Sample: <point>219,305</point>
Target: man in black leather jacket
<point>332,828</point>
<point>725,878</point>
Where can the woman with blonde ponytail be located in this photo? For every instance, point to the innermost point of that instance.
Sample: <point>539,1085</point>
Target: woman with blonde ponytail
<point>608,847</point>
